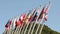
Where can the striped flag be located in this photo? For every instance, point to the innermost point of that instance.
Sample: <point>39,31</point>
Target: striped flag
<point>46,17</point>
<point>35,17</point>
<point>21,20</point>
<point>41,14</point>
<point>46,12</point>
<point>34,14</point>
<point>28,16</point>
<point>8,25</point>
<point>31,16</point>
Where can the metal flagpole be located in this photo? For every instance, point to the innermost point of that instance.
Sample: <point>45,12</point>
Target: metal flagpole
<point>24,23</point>
<point>30,28</point>
<point>21,29</point>
<point>33,27</point>
<point>41,28</point>
<point>44,20</point>
<point>38,25</point>
<point>37,28</point>
<point>26,28</point>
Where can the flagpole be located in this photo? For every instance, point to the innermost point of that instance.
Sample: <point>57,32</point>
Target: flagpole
<point>30,28</point>
<point>25,22</point>
<point>41,28</point>
<point>37,28</point>
<point>22,30</point>
<point>44,20</point>
<point>33,27</point>
<point>26,28</point>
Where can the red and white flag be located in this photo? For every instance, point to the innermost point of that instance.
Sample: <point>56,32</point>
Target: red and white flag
<point>46,12</point>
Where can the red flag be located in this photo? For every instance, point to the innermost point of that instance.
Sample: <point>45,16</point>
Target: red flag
<point>8,25</point>
<point>46,17</point>
<point>21,20</point>
<point>46,12</point>
<point>41,14</point>
<point>35,17</point>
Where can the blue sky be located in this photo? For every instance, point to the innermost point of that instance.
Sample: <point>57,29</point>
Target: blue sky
<point>11,8</point>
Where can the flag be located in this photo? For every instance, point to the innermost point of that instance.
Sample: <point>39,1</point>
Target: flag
<point>14,22</point>
<point>8,25</point>
<point>30,17</point>
<point>17,23</point>
<point>46,17</point>
<point>21,20</point>
<point>46,12</point>
<point>47,8</point>
<point>35,17</point>
<point>38,10</point>
<point>29,12</point>
<point>23,16</point>
<point>27,16</point>
<point>41,14</point>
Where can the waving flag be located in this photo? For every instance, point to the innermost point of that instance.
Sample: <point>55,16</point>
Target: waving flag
<point>14,22</point>
<point>35,17</point>
<point>46,12</point>
<point>35,14</point>
<point>46,17</point>
<point>41,14</point>
<point>27,16</point>
<point>31,16</point>
<point>29,12</point>
<point>22,19</point>
<point>8,24</point>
